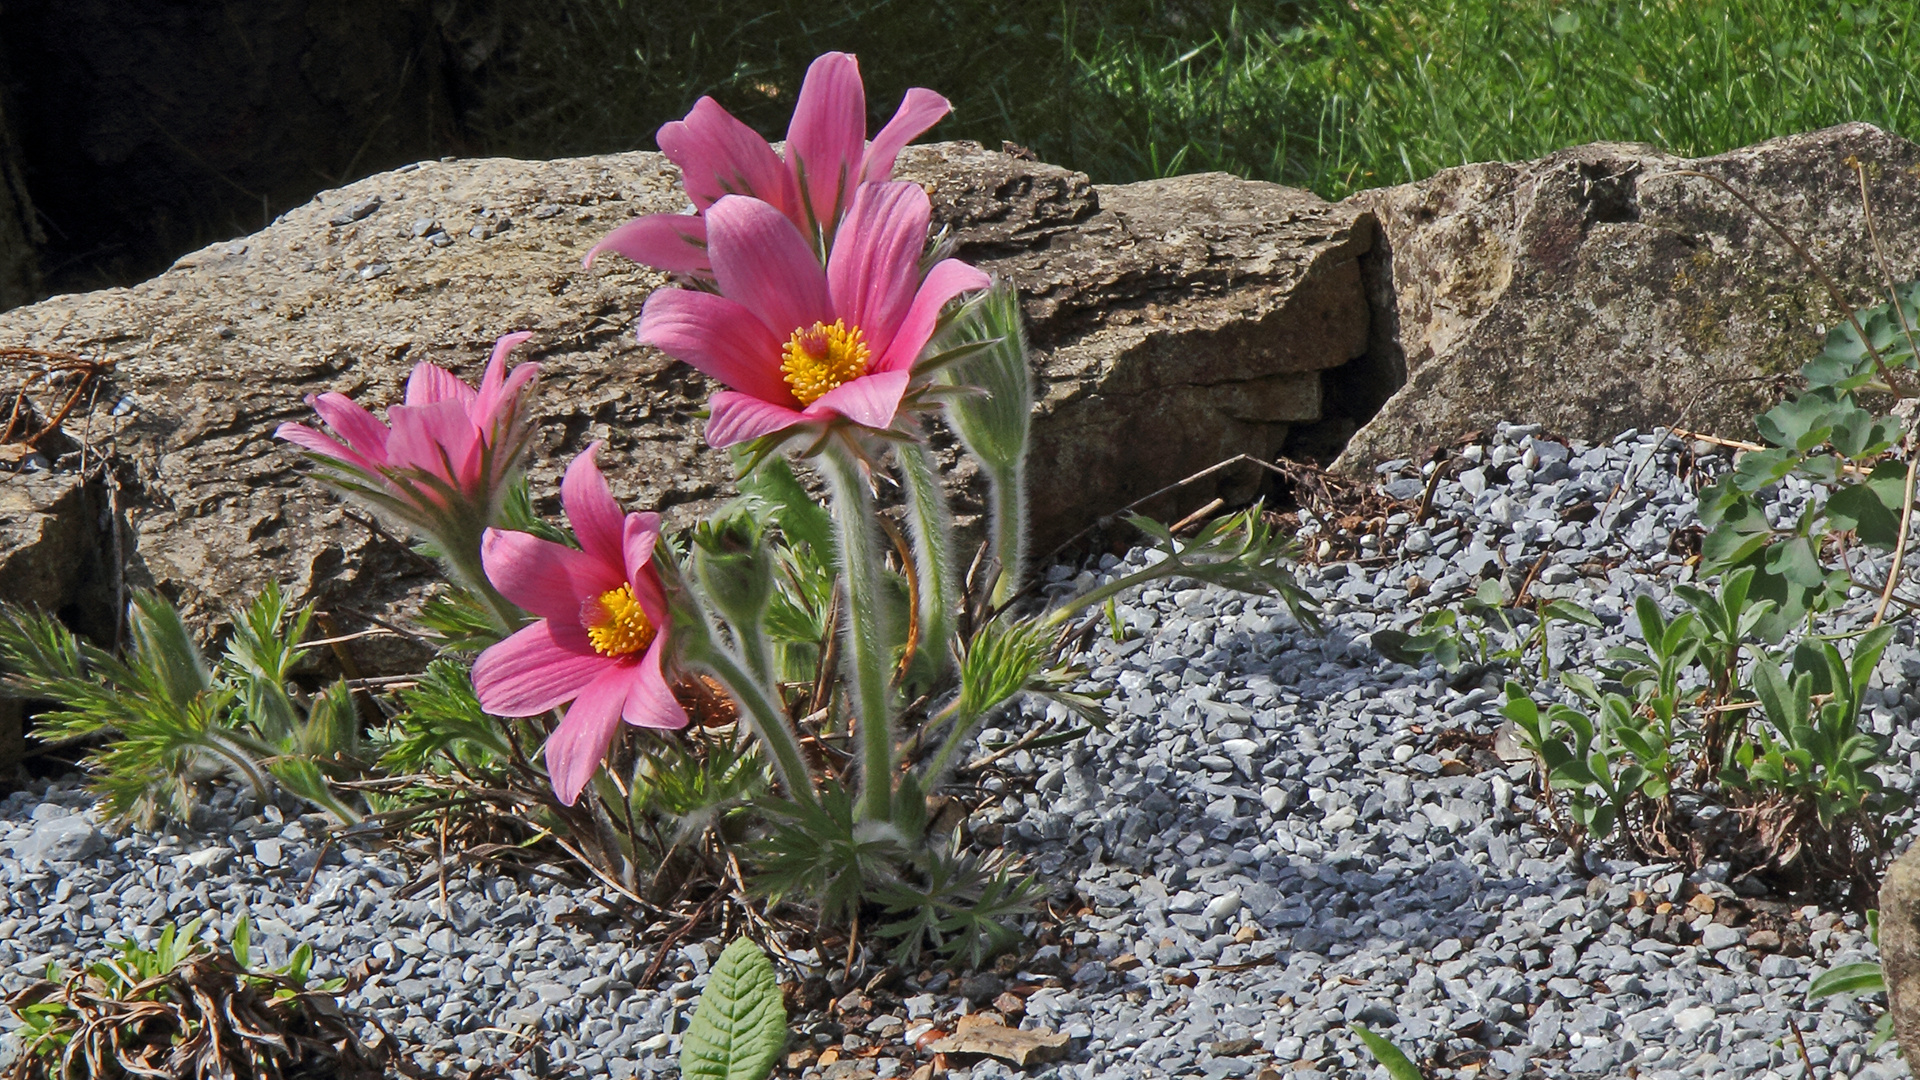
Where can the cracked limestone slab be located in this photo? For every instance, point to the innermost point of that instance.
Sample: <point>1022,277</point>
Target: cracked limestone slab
<point>1176,322</point>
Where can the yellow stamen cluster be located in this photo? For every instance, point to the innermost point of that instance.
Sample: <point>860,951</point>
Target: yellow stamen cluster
<point>621,626</point>
<point>818,358</point>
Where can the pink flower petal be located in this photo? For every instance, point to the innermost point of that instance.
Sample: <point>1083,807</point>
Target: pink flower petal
<point>761,261</point>
<point>719,337</point>
<point>431,382</point>
<point>675,243</point>
<point>650,701</point>
<point>639,534</point>
<point>494,385</point>
<point>875,266</point>
<point>437,439</point>
<point>578,746</point>
<point>645,583</point>
<point>548,579</point>
<point>356,425</point>
<point>718,155</point>
<point>948,279</point>
<point>739,417</point>
<point>489,413</point>
<point>593,513</point>
<point>871,400</point>
<point>641,539</point>
<point>828,135</point>
<point>919,110</point>
<point>313,441</point>
<point>539,667</point>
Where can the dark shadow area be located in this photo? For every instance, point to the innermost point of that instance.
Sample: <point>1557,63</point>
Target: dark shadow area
<point>144,131</point>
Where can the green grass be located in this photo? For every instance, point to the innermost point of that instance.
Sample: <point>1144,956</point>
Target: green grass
<point>1333,95</point>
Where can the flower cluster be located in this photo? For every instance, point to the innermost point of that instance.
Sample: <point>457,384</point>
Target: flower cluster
<point>811,306</point>
<point>837,661</point>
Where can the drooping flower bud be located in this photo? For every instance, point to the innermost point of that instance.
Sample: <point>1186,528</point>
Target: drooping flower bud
<point>444,460</point>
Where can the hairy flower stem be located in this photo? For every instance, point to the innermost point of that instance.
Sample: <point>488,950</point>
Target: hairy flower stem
<point>867,640</point>
<point>739,586</point>
<point>767,721</point>
<point>931,526</point>
<point>1007,488</point>
<point>758,649</point>
<point>699,649</point>
<point>465,568</point>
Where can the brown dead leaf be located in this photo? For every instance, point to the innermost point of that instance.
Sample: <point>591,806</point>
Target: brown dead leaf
<point>977,1035</point>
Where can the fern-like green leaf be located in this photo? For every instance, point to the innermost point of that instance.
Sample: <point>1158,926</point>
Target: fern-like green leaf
<point>740,1024</point>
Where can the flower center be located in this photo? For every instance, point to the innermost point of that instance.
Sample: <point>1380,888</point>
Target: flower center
<point>622,626</point>
<point>818,358</point>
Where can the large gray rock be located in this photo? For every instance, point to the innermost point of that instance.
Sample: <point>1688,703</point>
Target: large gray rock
<point>1177,323</point>
<point>64,839</point>
<point>1900,946</point>
<point>1589,292</point>
<point>48,521</point>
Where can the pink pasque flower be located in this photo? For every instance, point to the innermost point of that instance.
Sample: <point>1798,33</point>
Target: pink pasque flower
<point>797,343</point>
<point>601,634</point>
<point>827,159</point>
<point>442,459</point>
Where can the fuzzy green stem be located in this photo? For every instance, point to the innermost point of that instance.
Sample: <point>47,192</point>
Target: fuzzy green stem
<point>931,525</point>
<point>697,647</point>
<point>767,721</point>
<point>1098,595</point>
<point>868,650</point>
<point>465,568</point>
<point>758,650</point>
<point>1007,488</point>
<point>962,727</point>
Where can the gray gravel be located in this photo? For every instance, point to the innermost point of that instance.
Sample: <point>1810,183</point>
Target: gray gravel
<point>1273,843</point>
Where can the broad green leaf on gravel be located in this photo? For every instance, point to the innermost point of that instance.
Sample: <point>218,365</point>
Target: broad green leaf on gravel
<point>1862,978</point>
<point>1859,507</point>
<point>1399,1066</point>
<point>740,1025</point>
